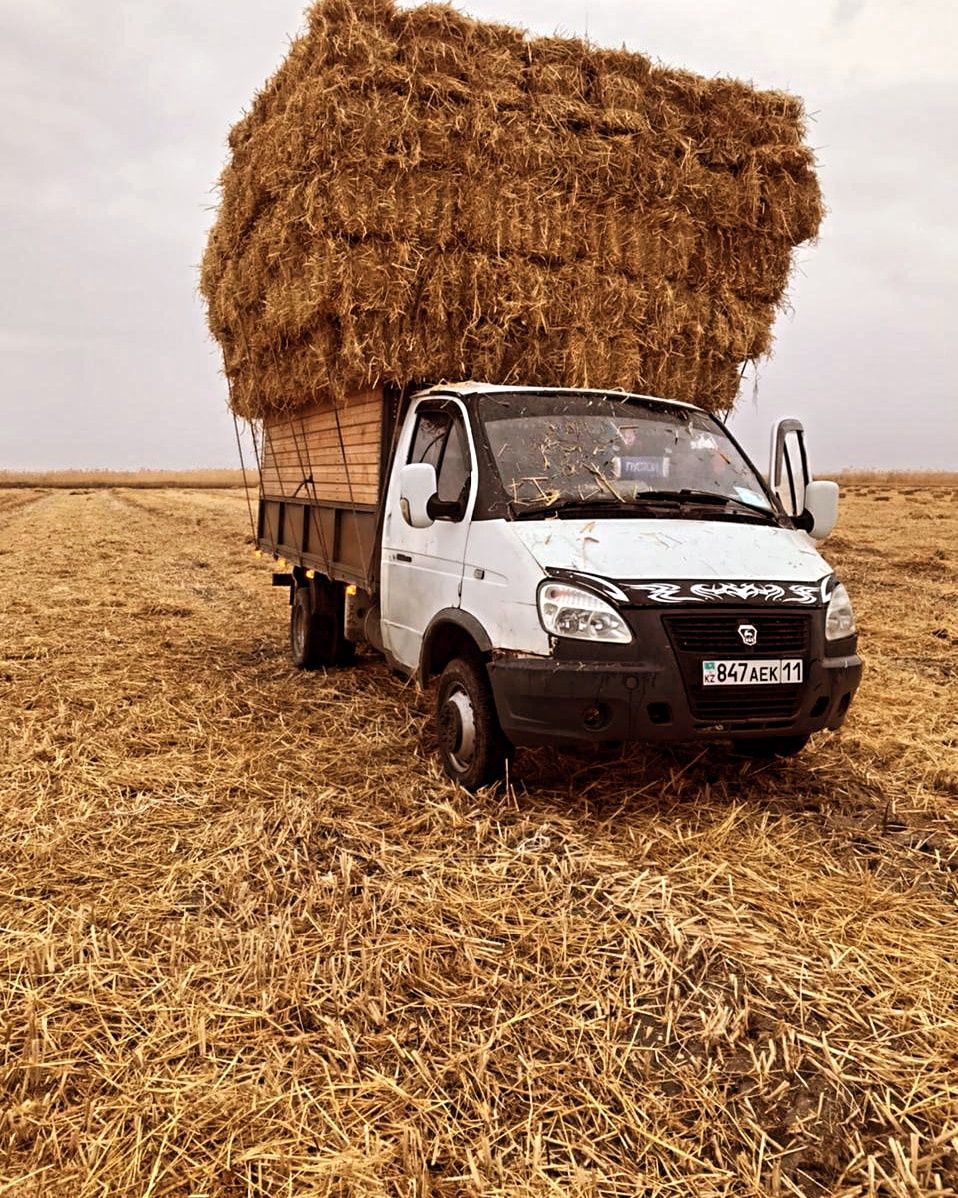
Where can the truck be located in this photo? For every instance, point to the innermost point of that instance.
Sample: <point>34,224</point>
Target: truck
<point>564,565</point>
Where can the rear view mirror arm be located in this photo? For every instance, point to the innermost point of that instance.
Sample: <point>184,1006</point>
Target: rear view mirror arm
<point>804,521</point>
<point>445,509</point>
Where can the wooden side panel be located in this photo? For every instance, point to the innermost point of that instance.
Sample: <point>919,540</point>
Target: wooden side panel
<point>342,456</point>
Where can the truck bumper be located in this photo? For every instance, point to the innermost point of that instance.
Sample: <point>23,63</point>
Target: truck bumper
<point>549,701</point>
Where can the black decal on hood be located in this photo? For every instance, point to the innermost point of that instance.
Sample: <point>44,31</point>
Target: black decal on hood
<point>669,593</point>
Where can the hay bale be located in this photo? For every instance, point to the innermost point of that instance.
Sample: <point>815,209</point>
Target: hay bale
<point>416,196</point>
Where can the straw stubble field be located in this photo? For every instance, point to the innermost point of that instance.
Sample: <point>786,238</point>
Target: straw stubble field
<point>254,944</point>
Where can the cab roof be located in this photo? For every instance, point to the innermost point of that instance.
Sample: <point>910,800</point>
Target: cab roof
<point>472,387</point>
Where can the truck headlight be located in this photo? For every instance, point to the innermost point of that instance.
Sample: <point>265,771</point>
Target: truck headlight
<point>839,619</point>
<point>568,611</point>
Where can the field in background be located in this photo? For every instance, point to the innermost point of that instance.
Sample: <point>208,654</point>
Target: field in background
<point>253,944</point>
<point>208,479</point>
<point>898,478</point>
<point>151,479</point>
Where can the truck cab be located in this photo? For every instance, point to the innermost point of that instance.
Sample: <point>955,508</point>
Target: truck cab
<point>594,566</point>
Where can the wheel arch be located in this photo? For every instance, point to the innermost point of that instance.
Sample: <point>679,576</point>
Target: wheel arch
<point>451,633</point>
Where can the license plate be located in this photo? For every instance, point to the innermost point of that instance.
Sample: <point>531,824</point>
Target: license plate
<point>752,672</point>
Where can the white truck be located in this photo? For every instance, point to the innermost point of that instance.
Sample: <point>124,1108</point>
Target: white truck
<point>571,565</point>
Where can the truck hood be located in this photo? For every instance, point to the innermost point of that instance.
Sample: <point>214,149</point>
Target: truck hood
<point>634,550</point>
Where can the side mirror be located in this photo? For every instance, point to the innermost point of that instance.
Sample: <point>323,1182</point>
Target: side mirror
<point>417,485</point>
<point>821,509</point>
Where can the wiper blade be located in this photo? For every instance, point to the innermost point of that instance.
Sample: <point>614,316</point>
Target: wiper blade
<point>689,496</point>
<point>570,504</point>
<point>655,501</point>
<point>686,495</point>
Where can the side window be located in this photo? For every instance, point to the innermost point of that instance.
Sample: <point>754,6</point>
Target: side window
<point>441,440</point>
<point>454,471</point>
<point>432,428</point>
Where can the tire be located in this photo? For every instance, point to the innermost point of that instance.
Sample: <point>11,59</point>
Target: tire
<point>472,746</point>
<point>316,627</point>
<point>770,746</point>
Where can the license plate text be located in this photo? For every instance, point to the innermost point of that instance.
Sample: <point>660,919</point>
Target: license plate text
<point>771,671</point>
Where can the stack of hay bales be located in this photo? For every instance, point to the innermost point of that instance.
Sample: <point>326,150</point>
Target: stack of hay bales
<point>417,196</point>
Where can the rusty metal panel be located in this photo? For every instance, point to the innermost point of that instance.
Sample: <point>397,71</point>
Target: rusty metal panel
<point>321,544</point>
<point>355,538</point>
<point>269,523</point>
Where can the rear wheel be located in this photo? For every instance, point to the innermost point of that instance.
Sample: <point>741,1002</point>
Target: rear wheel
<point>472,746</point>
<point>316,636</point>
<point>770,746</point>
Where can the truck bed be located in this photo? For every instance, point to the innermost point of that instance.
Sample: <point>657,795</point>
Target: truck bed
<point>321,474</point>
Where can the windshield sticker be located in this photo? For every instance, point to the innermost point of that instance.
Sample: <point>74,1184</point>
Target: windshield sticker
<point>629,468</point>
<point>749,496</point>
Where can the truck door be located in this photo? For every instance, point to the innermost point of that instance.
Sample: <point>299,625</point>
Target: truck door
<point>422,567</point>
<point>788,471</point>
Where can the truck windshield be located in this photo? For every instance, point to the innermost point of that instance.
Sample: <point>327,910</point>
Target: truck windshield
<point>566,451</point>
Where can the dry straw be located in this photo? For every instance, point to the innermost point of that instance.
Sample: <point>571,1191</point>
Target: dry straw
<point>149,479</point>
<point>415,195</point>
<point>253,945</point>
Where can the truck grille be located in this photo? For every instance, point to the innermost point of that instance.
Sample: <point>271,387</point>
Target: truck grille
<point>700,635</point>
<point>716,634</point>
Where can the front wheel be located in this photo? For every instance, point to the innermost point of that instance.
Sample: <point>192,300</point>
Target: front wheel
<point>472,746</point>
<point>770,746</point>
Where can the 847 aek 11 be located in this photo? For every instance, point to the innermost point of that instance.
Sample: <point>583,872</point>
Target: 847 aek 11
<point>751,672</point>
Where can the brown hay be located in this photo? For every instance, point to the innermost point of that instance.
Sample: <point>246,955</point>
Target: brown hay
<point>150,479</point>
<point>416,195</point>
<point>254,944</point>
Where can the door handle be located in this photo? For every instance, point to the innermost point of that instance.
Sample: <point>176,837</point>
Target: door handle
<point>403,557</point>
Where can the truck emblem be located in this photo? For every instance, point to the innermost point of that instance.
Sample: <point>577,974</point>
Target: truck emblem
<point>748,633</point>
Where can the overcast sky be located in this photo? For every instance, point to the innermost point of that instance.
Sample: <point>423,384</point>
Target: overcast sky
<point>113,131</point>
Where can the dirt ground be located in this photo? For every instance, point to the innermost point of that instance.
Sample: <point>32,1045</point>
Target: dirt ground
<point>253,943</point>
